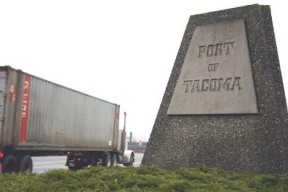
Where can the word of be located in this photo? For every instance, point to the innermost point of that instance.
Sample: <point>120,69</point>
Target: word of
<point>212,66</point>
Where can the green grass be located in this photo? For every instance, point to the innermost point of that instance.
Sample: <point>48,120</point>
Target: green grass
<point>143,179</point>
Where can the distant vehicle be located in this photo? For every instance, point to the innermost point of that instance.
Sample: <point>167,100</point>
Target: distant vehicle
<point>38,117</point>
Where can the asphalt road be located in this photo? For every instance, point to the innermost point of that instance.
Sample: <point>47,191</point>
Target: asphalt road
<point>47,163</point>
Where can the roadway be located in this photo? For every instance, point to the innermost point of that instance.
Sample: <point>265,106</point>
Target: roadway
<point>46,163</point>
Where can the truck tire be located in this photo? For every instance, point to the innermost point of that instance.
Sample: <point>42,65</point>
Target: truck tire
<point>71,167</point>
<point>114,160</point>
<point>26,164</point>
<point>9,164</point>
<point>107,160</point>
<point>131,161</point>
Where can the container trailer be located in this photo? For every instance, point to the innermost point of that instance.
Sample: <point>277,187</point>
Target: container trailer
<point>38,117</point>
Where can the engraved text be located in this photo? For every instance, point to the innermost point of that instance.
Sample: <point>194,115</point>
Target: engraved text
<point>212,85</point>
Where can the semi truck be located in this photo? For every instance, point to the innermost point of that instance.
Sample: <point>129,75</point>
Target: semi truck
<point>39,118</point>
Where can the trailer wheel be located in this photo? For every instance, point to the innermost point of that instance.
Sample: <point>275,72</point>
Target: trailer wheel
<point>9,164</point>
<point>114,160</point>
<point>26,164</point>
<point>107,160</point>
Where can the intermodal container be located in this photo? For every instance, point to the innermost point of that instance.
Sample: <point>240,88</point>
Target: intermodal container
<point>36,114</point>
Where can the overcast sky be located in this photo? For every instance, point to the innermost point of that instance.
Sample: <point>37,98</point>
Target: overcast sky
<point>119,51</point>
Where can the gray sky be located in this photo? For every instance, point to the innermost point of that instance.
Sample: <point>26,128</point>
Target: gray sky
<point>119,51</point>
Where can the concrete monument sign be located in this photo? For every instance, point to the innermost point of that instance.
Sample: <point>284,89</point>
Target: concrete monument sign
<point>224,105</point>
<point>216,76</point>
